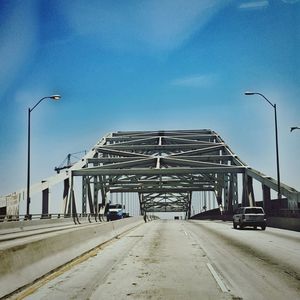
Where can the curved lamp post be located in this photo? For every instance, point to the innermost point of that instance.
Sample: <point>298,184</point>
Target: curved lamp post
<point>53,97</point>
<point>276,137</point>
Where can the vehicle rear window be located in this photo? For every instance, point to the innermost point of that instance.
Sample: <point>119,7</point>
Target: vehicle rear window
<point>115,206</point>
<point>254,210</point>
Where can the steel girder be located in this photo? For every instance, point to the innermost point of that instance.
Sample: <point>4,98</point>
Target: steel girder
<point>163,167</point>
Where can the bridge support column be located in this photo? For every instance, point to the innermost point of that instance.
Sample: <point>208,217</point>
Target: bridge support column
<point>266,191</point>
<point>141,204</point>
<point>233,193</point>
<point>248,193</point>
<point>218,197</point>
<point>219,188</point>
<point>84,194</point>
<point>227,200</point>
<point>101,187</point>
<point>189,198</point>
<point>67,204</point>
<point>96,206</point>
<point>72,203</point>
<point>45,203</point>
<point>90,198</point>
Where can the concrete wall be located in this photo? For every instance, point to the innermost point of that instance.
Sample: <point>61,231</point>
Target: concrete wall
<point>284,223</point>
<point>23,263</point>
<point>19,226</point>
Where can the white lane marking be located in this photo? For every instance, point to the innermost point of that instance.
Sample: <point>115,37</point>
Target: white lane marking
<point>217,278</point>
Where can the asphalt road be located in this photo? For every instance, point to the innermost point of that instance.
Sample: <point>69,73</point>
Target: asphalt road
<point>171,259</point>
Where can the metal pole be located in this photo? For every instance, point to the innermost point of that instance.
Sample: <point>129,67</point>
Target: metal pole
<point>28,167</point>
<point>54,97</point>
<point>277,154</point>
<point>276,137</point>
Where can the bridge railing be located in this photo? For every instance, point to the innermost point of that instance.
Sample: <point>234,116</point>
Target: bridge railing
<point>75,217</point>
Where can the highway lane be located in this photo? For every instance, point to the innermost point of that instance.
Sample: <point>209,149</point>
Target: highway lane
<point>182,260</point>
<point>254,264</point>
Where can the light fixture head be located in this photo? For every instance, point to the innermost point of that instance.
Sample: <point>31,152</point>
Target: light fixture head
<point>55,97</point>
<point>249,93</point>
<point>293,128</point>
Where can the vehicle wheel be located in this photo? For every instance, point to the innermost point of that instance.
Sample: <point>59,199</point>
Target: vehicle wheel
<point>263,227</point>
<point>255,227</point>
<point>234,225</point>
<point>241,225</point>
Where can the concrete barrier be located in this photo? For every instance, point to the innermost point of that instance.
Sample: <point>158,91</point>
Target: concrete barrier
<point>23,263</point>
<point>20,226</point>
<point>284,223</point>
<point>277,222</point>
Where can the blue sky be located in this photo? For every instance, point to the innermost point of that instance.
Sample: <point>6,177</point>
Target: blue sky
<point>147,65</point>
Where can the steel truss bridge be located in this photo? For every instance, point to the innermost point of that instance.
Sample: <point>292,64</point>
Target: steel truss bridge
<point>164,168</point>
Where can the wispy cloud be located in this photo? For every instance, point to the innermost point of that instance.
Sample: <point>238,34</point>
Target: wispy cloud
<point>290,1</point>
<point>260,4</point>
<point>140,26</point>
<point>154,25</point>
<point>195,81</point>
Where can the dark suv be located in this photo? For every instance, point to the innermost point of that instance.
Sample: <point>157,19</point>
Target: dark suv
<point>250,216</point>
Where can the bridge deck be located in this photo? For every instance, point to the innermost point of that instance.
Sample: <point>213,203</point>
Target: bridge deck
<point>184,260</point>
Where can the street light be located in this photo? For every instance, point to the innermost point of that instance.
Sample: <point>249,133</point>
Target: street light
<point>293,128</point>
<point>276,137</point>
<point>53,97</point>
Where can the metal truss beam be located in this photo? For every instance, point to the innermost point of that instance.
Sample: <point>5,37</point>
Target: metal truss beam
<point>164,172</point>
<point>168,163</point>
<point>164,168</point>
